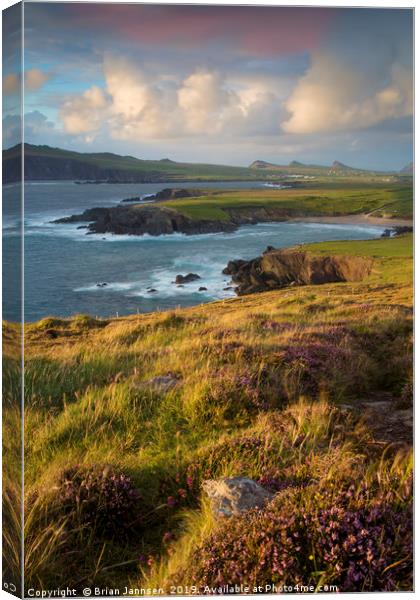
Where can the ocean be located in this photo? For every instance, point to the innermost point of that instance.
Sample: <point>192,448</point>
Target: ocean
<point>63,265</point>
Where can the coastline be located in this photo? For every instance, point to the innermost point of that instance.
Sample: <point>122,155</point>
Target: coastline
<point>359,219</point>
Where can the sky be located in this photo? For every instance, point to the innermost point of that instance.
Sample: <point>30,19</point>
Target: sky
<point>219,84</point>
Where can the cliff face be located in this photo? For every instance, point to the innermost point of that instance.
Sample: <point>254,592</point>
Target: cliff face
<point>39,168</point>
<point>280,268</point>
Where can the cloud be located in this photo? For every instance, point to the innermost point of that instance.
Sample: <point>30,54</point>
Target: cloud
<point>204,98</point>
<point>83,114</point>
<point>35,78</point>
<point>11,83</point>
<point>333,96</point>
<point>12,130</point>
<point>137,103</point>
<point>259,31</point>
<point>37,127</point>
<point>37,124</point>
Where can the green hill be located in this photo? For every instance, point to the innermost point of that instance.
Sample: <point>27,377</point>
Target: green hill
<point>46,163</point>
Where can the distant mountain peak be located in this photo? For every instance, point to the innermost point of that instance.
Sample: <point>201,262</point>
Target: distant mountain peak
<point>339,165</point>
<point>296,163</point>
<point>260,164</point>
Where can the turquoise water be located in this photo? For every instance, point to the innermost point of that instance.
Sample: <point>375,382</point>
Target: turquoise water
<point>63,265</point>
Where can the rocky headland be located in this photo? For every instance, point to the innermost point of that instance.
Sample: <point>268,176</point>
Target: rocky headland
<point>140,219</point>
<point>132,217</point>
<point>278,268</point>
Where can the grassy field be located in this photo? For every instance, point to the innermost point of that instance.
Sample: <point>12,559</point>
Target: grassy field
<point>286,387</point>
<point>321,200</point>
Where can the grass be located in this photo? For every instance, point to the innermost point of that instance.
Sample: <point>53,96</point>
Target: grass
<point>250,397</point>
<point>319,200</point>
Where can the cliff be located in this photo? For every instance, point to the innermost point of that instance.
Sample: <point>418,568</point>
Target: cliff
<point>281,268</point>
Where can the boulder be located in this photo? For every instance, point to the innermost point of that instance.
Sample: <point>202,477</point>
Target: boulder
<point>277,269</point>
<point>180,279</point>
<point>234,495</point>
<point>202,289</point>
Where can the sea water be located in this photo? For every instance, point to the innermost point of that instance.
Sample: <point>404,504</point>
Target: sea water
<point>63,265</point>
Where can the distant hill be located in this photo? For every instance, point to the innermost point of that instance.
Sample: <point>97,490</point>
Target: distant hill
<point>336,168</point>
<point>408,169</point>
<point>339,166</point>
<point>296,163</point>
<point>46,163</point>
<point>262,164</point>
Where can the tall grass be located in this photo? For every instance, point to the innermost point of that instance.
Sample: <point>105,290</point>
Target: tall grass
<point>260,387</point>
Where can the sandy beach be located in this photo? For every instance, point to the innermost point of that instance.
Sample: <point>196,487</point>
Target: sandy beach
<point>356,220</point>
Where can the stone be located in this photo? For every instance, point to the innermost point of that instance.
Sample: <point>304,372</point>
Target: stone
<point>187,278</point>
<point>202,289</point>
<point>234,495</point>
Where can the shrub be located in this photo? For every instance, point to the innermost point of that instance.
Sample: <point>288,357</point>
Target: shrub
<point>356,549</point>
<point>101,498</point>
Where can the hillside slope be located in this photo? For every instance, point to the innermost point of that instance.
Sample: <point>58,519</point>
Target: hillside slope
<point>270,386</point>
<point>46,163</point>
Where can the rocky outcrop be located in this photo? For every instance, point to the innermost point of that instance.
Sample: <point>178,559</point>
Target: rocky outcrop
<point>277,269</point>
<point>180,279</point>
<point>144,219</point>
<point>397,230</point>
<point>174,193</point>
<point>235,495</point>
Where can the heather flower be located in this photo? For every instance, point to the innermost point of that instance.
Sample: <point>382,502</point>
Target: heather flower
<point>357,549</point>
<point>100,497</point>
<point>168,536</point>
<point>315,364</point>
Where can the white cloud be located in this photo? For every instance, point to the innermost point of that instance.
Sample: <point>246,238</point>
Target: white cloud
<point>137,104</point>
<point>332,96</point>
<point>83,114</point>
<point>204,98</point>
